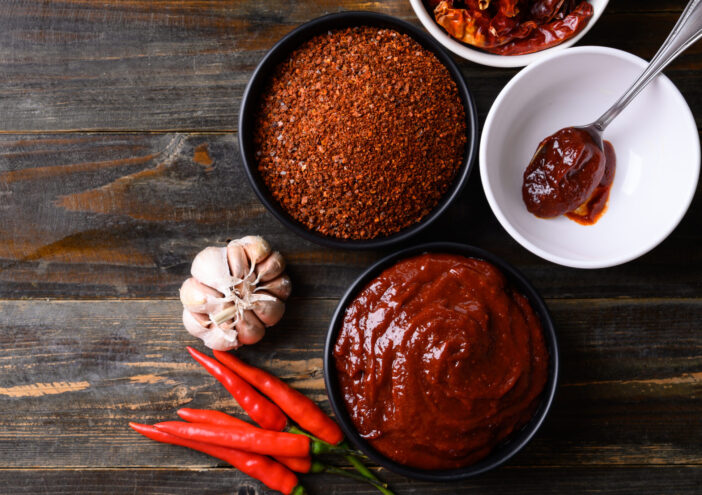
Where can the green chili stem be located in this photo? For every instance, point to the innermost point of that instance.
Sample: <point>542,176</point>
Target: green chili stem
<point>299,490</point>
<point>361,468</point>
<point>319,446</point>
<point>368,474</point>
<point>318,467</point>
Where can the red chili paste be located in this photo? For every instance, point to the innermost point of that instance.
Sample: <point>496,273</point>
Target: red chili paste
<point>569,175</point>
<point>439,359</point>
<point>591,210</point>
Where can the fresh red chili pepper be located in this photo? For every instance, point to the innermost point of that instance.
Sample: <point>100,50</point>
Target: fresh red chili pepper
<point>207,416</point>
<point>260,409</point>
<point>297,464</point>
<point>211,417</point>
<point>266,470</point>
<point>250,439</point>
<point>301,409</point>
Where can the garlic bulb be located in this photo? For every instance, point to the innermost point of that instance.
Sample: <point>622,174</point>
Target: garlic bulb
<point>234,293</point>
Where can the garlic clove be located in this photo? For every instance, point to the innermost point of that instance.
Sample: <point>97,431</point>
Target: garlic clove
<point>280,287</point>
<point>250,328</point>
<point>238,262</point>
<point>191,295</point>
<point>221,340</point>
<point>256,247</point>
<point>227,326</point>
<point>211,267</point>
<point>270,268</point>
<point>214,337</point>
<point>195,323</point>
<point>269,309</point>
<point>200,298</point>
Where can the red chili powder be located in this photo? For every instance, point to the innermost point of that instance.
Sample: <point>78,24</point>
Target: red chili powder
<point>360,132</point>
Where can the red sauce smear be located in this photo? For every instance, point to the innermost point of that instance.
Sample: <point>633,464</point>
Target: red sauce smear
<point>439,360</point>
<point>569,175</point>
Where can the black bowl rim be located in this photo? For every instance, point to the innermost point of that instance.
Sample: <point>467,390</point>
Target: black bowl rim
<point>292,40</point>
<point>516,440</point>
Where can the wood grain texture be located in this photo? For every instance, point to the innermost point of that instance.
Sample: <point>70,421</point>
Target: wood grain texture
<point>683,480</point>
<point>97,231</point>
<point>183,65</point>
<point>122,215</point>
<point>75,372</point>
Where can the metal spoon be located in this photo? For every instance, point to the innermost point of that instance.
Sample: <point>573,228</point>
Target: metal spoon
<point>577,172</point>
<point>687,30</point>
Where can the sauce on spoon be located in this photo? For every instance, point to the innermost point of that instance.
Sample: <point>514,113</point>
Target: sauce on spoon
<point>569,175</point>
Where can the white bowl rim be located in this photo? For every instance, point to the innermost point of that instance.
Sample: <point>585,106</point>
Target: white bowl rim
<point>497,211</point>
<point>490,59</point>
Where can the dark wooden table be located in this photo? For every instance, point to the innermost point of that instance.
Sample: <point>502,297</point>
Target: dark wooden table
<point>119,161</point>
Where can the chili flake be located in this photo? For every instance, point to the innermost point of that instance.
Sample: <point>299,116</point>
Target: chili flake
<point>360,132</point>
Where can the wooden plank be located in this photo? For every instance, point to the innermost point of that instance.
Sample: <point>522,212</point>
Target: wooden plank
<point>215,481</point>
<point>75,372</point>
<point>122,215</point>
<point>174,65</point>
<point>94,216</point>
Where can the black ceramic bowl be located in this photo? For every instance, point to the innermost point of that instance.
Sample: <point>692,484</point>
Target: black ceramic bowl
<point>508,447</point>
<point>280,52</point>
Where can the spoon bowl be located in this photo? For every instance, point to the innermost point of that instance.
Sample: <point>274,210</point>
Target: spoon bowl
<point>595,133</point>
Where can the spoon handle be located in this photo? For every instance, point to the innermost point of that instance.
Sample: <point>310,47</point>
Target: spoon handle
<point>687,30</point>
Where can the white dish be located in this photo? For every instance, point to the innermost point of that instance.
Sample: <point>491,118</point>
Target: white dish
<point>484,58</point>
<point>655,140</point>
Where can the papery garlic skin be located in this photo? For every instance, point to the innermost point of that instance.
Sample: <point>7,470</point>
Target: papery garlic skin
<point>212,336</point>
<point>201,298</point>
<point>270,268</point>
<point>280,287</point>
<point>235,293</point>
<point>238,261</point>
<point>211,267</point>
<point>256,247</point>
<point>196,326</point>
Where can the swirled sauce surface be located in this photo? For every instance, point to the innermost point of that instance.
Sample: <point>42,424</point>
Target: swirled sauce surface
<point>438,360</point>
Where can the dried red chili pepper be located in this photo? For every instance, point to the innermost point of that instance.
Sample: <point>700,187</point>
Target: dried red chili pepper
<point>545,10</point>
<point>508,8</point>
<point>551,34</point>
<point>300,409</point>
<point>266,470</point>
<point>260,409</point>
<point>511,27</point>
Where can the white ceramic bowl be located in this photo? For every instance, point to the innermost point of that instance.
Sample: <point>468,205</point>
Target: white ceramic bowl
<point>655,139</point>
<point>485,58</point>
